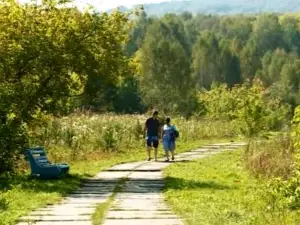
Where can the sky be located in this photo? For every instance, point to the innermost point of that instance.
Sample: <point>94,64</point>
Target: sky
<point>103,5</point>
<point>109,4</point>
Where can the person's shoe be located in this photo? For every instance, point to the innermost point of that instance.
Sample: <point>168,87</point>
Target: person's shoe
<point>167,160</point>
<point>149,159</point>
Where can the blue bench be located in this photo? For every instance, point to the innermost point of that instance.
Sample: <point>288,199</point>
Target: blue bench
<point>40,165</point>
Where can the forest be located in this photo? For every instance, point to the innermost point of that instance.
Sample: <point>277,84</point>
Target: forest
<point>192,54</point>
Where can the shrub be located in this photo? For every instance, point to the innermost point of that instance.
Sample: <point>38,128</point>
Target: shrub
<point>252,108</point>
<point>287,191</point>
<point>3,203</point>
<point>12,143</point>
<point>110,137</point>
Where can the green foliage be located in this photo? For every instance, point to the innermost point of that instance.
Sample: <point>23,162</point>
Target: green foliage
<point>266,36</point>
<point>249,105</point>
<point>138,32</point>
<point>214,62</point>
<point>198,51</point>
<point>252,112</point>
<point>296,126</point>
<point>81,136</point>
<point>286,192</point>
<point>166,81</point>
<point>13,139</point>
<point>52,54</point>
<point>222,193</point>
<point>280,73</point>
<point>128,97</point>
<point>221,102</point>
<point>20,195</point>
<point>3,203</point>
<point>110,137</point>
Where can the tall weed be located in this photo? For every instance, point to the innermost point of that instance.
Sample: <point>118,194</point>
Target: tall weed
<point>77,136</point>
<point>272,158</point>
<point>284,191</point>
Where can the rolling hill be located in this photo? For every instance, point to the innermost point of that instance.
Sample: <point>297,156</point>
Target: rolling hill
<point>221,6</point>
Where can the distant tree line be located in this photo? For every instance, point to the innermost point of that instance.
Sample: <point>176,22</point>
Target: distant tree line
<point>182,55</point>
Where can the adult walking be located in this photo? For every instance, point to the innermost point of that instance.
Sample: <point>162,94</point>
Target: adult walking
<point>152,131</point>
<point>169,135</point>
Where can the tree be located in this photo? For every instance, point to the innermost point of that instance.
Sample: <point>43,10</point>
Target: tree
<point>214,62</point>
<point>199,23</point>
<point>104,61</point>
<point>138,32</point>
<point>176,27</point>
<point>128,97</point>
<point>50,52</point>
<point>166,81</point>
<point>272,63</point>
<point>266,36</point>
<point>237,29</point>
<point>280,73</point>
<point>291,35</point>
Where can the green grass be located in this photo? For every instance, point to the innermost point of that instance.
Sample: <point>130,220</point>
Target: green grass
<point>218,191</point>
<point>19,195</point>
<point>101,211</point>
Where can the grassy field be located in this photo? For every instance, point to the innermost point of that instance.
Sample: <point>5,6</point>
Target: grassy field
<point>19,195</point>
<point>219,191</point>
<point>84,136</point>
<point>90,144</point>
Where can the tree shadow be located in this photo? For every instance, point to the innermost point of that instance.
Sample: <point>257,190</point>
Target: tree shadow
<point>180,184</point>
<point>63,185</point>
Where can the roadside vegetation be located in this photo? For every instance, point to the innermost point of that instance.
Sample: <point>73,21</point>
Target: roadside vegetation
<point>90,144</point>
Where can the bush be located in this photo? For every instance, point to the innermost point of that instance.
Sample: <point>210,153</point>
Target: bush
<point>13,140</point>
<point>287,191</point>
<point>3,203</point>
<point>252,108</point>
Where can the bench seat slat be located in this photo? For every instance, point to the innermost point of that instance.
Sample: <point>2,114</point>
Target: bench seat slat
<point>37,152</point>
<point>41,157</point>
<point>42,161</point>
<point>40,165</point>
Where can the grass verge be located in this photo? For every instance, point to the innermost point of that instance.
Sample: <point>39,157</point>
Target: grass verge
<point>20,195</point>
<point>217,190</point>
<point>101,211</point>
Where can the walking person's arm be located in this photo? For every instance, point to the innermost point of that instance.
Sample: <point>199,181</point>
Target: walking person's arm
<point>145,129</point>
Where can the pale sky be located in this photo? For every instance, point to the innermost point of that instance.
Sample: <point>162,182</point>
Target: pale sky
<point>108,4</point>
<point>103,5</point>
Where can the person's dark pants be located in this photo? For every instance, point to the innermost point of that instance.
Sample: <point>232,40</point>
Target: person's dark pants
<point>152,141</point>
